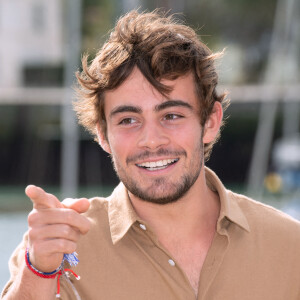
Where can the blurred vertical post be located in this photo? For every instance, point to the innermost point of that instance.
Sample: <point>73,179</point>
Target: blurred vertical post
<point>275,75</point>
<point>70,139</point>
<point>291,108</point>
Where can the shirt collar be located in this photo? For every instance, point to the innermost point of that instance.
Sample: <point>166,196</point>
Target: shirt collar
<point>122,215</point>
<point>229,207</point>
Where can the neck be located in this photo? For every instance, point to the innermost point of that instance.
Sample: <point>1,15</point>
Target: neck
<point>188,218</point>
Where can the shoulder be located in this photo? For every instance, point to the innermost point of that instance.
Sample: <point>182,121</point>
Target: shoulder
<point>267,220</point>
<point>98,209</point>
<point>97,204</point>
<point>99,225</point>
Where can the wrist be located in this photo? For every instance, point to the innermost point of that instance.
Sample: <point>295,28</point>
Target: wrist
<point>37,272</point>
<point>70,258</point>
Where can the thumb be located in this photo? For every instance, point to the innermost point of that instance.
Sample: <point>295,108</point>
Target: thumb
<point>41,199</point>
<point>80,205</point>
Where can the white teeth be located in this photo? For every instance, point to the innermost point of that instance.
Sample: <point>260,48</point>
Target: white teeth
<point>157,164</point>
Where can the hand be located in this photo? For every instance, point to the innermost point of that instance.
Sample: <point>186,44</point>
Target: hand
<point>54,227</point>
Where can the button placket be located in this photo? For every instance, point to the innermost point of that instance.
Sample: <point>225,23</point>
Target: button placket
<point>164,259</point>
<point>170,261</point>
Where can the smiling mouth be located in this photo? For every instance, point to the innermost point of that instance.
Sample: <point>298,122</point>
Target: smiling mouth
<point>158,165</point>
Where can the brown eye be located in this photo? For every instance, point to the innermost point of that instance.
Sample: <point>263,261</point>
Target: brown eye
<point>170,117</point>
<point>127,121</point>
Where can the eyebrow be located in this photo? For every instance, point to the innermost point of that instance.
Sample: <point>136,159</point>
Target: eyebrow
<point>159,107</point>
<point>125,108</point>
<point>172,103</point>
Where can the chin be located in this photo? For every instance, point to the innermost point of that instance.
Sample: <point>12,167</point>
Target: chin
<point>162,193</point>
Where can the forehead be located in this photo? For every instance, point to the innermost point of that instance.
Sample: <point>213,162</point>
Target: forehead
<point>137,91</point>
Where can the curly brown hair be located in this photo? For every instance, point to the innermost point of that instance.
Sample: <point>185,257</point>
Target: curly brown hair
<point>162,48</point>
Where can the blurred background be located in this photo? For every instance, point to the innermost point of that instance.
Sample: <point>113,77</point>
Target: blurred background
<point>41,43</point>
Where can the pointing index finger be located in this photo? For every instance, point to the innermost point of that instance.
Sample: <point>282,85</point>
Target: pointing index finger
<point>41,199</point>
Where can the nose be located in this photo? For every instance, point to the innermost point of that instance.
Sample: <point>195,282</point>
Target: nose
<point>153,136</point>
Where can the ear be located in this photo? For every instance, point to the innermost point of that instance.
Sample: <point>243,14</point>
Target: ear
<point>103,142</point>
<point>213,123</point>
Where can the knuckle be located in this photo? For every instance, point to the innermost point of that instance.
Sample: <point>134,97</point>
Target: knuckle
<point>68,216</point>
<point>84,224</point>
<point>31,234</point>
<point>87,225</point>
<point>60,245</point>
<point>69,232</point>
<point>66,246</point>
<point>65,230</point>
<point>63,244</point>
<point>32,216</point>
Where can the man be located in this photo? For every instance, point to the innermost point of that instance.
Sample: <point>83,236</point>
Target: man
<point>170,230</point>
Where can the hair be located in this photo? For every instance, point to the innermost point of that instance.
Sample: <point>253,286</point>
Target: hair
<point>161,47</point>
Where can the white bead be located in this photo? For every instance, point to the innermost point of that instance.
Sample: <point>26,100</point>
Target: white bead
<point>171,262</point>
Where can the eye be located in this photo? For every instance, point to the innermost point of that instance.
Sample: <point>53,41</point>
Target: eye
<point>127,121</point>
<point>171,117</point>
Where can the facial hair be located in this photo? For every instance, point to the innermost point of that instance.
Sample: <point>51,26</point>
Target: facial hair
<point>163,190</point>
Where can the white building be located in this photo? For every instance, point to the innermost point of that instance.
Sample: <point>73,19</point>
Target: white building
<point>31,34</point>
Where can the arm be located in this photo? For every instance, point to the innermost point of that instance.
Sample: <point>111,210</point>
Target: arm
<point>29,286</point>
<point>54,229</point>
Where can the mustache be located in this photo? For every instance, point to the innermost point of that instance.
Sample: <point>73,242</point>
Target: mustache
<point>161,152</point>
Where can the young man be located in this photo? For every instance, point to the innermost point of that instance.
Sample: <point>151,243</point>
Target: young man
<point>170,230</point>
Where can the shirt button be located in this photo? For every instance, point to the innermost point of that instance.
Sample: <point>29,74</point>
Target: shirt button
<point>143,226</point>
<point>171,262</point>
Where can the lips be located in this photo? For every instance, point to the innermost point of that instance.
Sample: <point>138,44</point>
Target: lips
<point>157,165</point>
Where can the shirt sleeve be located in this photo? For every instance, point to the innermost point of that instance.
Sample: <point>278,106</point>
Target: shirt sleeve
<point>15,263</point>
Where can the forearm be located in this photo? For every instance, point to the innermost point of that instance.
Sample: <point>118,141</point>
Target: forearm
<point>28,286</point>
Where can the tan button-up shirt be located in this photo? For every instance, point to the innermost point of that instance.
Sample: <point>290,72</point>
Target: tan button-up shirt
<point>255,255</point>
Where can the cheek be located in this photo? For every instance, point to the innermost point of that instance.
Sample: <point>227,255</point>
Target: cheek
<point>189,137</point>
<point>121,144</point>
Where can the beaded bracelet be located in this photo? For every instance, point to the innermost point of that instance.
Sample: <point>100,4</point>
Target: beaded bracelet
<point>38,272</point>
<point>70,258</point>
